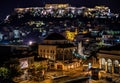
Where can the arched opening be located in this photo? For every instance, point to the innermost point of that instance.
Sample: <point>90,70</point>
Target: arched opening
<point>109,66</point>
<point>103,63</point>
<point>116,66</point>
<point>59,67</point>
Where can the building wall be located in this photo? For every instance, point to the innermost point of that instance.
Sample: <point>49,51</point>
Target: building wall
<point>57,5</point>
<point>26,62</point>
<point>109,62</point>
<point>63,66</point>
<point>47,51</point>
<point>65,53</point>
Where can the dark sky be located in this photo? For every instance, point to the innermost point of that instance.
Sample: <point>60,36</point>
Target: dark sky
<point>7,6</point>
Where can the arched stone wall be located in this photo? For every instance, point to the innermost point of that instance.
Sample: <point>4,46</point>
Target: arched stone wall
<point>116,66</point>
<point>103,61</point>
<point>109,62</point>
<point>109,66</point>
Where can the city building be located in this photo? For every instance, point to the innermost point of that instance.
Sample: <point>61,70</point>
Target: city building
<point>56,5</point>
<point>107,60</point>
<point>58,50</point>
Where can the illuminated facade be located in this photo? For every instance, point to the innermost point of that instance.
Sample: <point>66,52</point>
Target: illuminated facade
<point>71,35</point>
<point>56,48</point>
<point>98,12</point>
<point>57,5</point>
<point>108,61</point>
<point>47,51</point>
<point>67,66</point>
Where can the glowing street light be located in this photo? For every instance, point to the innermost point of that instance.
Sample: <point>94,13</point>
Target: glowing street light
<point>30,42</point>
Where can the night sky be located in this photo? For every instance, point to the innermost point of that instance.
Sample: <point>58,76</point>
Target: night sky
<point>7,6</point>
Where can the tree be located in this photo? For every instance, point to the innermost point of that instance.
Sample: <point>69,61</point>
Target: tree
<point>4,74</point>
<point>11,69</point>
<point>14,68</point>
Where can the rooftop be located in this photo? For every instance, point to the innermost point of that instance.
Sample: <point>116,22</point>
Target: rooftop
<point>55,36</point>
